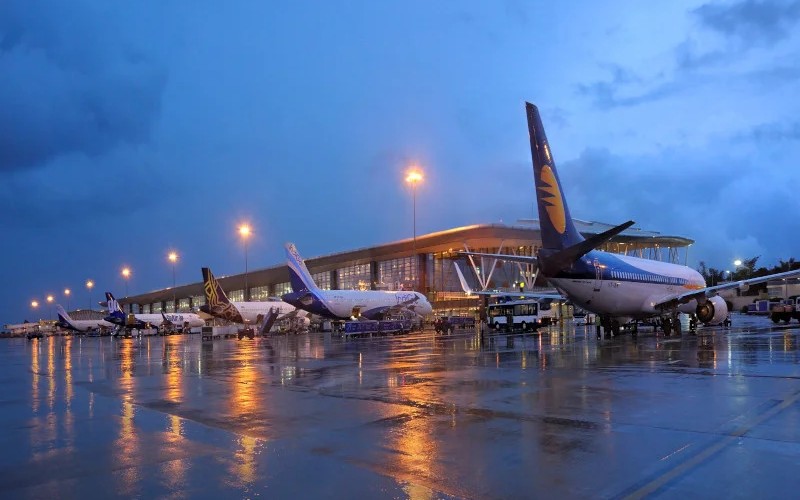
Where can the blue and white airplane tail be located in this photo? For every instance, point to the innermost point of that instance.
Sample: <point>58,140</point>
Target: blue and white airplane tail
<point>63,318</point>
<point>562,244</point>
<point>114,309</point>
<point>558,230</point>
<point>299,277</point>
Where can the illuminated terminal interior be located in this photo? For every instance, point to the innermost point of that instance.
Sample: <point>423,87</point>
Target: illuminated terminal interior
<point>425,265</point>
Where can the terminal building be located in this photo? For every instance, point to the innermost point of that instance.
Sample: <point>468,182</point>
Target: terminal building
<point>424,263</point>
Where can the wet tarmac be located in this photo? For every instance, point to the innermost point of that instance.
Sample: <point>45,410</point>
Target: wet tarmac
<point>557,414</point>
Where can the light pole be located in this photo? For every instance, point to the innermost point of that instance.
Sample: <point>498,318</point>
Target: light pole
<point>67,291</point>
<point>126,273</point>
<point>89,286</point>
<point>414,177</point>
<point>50,300</point>
<point>173,257</point>
<point>244,232</point>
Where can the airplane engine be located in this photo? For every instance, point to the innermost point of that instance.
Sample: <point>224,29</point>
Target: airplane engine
<point>713,311</point>
<point>130,319</point>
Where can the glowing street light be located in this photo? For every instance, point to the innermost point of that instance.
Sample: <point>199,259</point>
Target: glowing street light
<point>67,292</point>
<point>173,257</point>
<point>245,232</point>
<point>89,286</point>
<point>50,300</point>
<point>414,177</point>
<point>34,304</point>
<point>126,273</point>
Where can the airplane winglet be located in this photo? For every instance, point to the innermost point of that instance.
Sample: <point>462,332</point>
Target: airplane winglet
<point>461,278</point>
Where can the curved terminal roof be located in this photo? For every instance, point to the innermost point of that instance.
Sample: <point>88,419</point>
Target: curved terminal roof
<point>525,233</point>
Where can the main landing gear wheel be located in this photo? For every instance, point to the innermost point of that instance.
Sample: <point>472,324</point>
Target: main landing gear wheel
<point>666,324</point>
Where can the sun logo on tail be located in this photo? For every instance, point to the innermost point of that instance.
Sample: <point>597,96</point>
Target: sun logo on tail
<point>553,202</point>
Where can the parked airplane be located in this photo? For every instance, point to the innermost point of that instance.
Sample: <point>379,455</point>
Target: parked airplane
<point>346,304</point>
<point>80,325</point>
<point>143,321</point>
<point>617,287</point>
<point>217,304</point>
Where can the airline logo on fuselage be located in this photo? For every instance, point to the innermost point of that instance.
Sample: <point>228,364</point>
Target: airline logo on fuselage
<point>553,202</point>
<point>405,297</point>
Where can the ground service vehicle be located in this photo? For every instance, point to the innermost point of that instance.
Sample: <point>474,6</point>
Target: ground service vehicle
<point>785,310</point>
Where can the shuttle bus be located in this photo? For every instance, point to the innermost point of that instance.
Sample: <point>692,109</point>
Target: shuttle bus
<point>523,314</point>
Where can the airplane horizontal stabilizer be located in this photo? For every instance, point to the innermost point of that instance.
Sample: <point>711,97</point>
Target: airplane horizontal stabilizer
<point>552,263</point>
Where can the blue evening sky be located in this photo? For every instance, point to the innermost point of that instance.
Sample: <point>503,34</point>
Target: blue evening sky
<point>131,128</point>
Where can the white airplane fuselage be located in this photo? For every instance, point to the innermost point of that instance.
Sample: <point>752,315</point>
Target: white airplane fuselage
<point>623,286</point>
<point>84,325</point>
<point>252,312</point>
<point>344,304</point>
<point>178,319</point>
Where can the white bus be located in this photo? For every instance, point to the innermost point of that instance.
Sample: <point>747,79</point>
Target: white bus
<point>524,314</point>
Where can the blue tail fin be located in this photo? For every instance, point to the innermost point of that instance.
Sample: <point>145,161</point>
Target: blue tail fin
<point>63,317</point>
<point>113,305</point>
<point>299,277</point>
<point>558,230</point>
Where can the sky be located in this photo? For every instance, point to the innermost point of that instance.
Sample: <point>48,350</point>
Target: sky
<point>129,129</point>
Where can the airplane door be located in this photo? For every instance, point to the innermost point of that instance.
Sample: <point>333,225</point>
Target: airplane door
<point>598,275</point>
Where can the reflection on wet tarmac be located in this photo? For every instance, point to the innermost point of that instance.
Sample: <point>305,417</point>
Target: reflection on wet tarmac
<point>417,416</point>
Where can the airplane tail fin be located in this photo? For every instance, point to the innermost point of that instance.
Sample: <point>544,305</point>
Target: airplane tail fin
<point>215,295</point>
<point>113,305</point>
<point>63,317</point>
<point>299,276</point>
<point>557,229</point>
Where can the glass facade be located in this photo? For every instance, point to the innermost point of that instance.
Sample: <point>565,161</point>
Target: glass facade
<point>355,277</point>
<point>282,288</point>
<point>397,274</point>
<point>155,307</point>
<point>236,295</point>
<point>259,293</point>
<point>183,305</point>
<point>323,280</point>
<point>169,306</point>
<point>198,300</point>
<point>146,309</point>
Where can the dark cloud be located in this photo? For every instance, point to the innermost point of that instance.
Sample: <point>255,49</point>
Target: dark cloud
<point>751,21</point>
<point>624,89</point>
<point>773,132</point>
<point>71,84</point>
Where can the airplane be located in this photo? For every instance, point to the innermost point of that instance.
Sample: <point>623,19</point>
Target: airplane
<point>218,305</point>
<point>143,321</point>
<point>618,288</point>
<point>80,325</point>
<point>346,304</point>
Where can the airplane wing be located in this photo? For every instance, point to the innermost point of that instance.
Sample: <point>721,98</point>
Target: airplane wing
<point>525,259</point>
<point>710,291</point>
<point>533,295</point>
